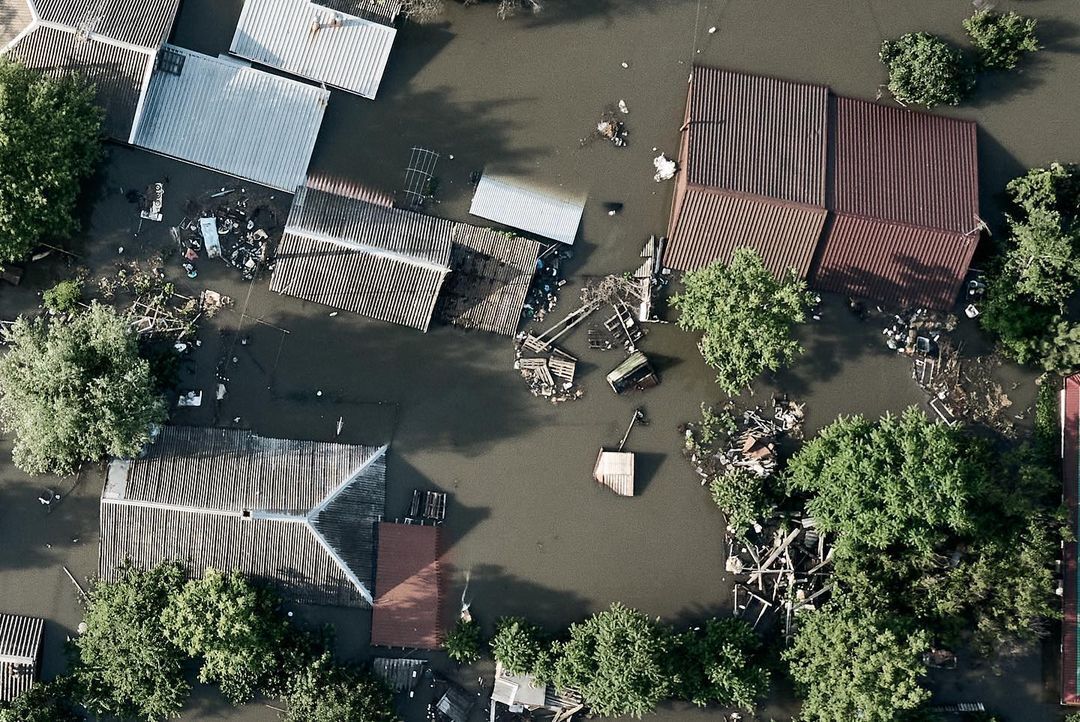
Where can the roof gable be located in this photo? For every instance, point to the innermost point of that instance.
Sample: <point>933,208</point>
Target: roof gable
<point>757,135</point>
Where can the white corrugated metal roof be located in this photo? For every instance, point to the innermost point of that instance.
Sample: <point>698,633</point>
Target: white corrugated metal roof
<point>226,116</point>
<point>514,205</point>
<point>615,470</point>
<point>315,42</point>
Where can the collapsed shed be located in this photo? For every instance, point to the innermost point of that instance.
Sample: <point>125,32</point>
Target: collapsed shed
<point>865,200</point>
<point>1070,470</point>
<point>112,43</point>
<point>325,44</point>
<point>350,249</point>
<point>406,612</point>
<point>298,515</point>
<point>20,654</point>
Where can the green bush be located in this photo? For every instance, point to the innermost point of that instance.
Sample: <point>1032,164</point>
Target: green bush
<point>742,497</point>
<point>64,296</point>
<point>926,70</point>
<point>1001,39</point>
<point>462,643</point>
<point>517,645</point>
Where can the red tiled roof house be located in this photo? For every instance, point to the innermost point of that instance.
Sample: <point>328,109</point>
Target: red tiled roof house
<point>407,594</point>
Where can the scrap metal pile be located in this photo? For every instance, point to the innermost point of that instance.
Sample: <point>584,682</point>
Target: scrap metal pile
<point>152,303</point>
<point>780,572</point>
<point>748,443</point>
<point>229,224</point>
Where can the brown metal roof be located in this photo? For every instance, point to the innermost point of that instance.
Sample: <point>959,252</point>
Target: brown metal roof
<point>406,612</point>
<point>711,225</point>
<point>757,135</point>
<point>893,263</point>
<point>905,166</point>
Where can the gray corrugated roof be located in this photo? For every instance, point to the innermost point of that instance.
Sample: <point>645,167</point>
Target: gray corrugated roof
<point>117,71</point>
<point>231,118</point>
<point>144,23</point>
<point>315,42</point>
<point>383,11</point>
<point>757,135</point>
<point>711,225</point>
<point>298,514</point>
<point>20,652</point>
<point>514,205</point>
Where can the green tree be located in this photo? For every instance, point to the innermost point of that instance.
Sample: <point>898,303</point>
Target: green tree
<point>325,692</point>
<point>853,663</point>
<point>742,497</point>
<point>64,296</point>
<point>897,483</point>
<point>746,316</point>
<point>50,140</point>
<point>1053,188</point>
<point>1059,348</point>
<point>517,645</point>
<point>1001,39</point>
<point>926,70</point>
<point>462,643</point>
<point>44,702</point>
<point>1018,323</point>
<point>75,389</point>
<point>719,663</point>
<point>124,663</point>
<point>234,627</point>
<point>1044,258</point>
<point>617,660</point>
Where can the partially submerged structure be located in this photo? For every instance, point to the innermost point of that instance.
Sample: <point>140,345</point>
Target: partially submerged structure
<point>112,43</point>
<point>406,612</point>
<point>222,114</point>
<point>540,213</point>
<point>401,674</point>
<point>345,48</point>
<point>520,692</point>
<point>20,654</point>
<point>615,470</point>
<point>299,515</point>
<point>1070,469</point>
<point>350,249</point>
<point>865,200</point>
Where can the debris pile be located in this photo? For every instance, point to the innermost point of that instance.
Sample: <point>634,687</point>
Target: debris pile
<point>917,331</point>
<point>151,302</point>
<point>747,443</point>
<point>231,225</point>
<point>610,128</point>
<point>780,572</point>
<point>960,387</point>
<point>549,371</point>
<point>543,293</point>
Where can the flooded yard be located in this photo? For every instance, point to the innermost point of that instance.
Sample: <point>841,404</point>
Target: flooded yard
<point>526,524</point>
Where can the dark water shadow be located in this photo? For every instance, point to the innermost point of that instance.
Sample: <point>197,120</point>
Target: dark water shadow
<point>646,467</point>
<point>492,585</point>
<point>576,11</point>
<point>997,166</point>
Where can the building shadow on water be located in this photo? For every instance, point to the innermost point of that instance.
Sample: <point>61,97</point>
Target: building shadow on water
<point>575,11</point>
<point>494,592</point>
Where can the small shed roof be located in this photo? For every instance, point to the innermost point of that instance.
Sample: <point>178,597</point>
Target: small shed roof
<point>456,704</point>
<point>713,224</point>
<point>20,653</point>
<point>615,470</point>
<point>406,612</point>
<point>229,117</point>
<point>1070,469</point>
<point>315,42</point>
<point>523,689</point>
<point>297,514</point>
<point>399,673</point>
<point>513,204</point>
<point>757,135</point>
<point>897,264</point>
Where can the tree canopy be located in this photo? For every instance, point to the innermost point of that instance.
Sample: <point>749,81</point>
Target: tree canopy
<point>44,702</point>
<point>1001,39</point>
<point>853,663</point>
<point>517,645</point>
<point>719,663</point>
<point>50,140</point>
<point>617,660</point>
<point>462,643</point>
<point>741,495</point>
<point>234,627</point>
<point>75,389</point>
<point>746,317</point>
<point>325,692</point>
<point>926,70</point>
<point>125,665</point>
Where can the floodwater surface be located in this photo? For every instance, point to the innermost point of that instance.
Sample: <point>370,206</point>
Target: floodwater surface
<point>526,525</point>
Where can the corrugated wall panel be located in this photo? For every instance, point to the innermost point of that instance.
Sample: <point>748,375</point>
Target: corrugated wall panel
<point>899,265</point>
<point>20,653</point>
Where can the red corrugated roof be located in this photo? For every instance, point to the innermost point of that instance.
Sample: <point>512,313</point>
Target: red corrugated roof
<point>406,612</point>
<point>757,135</point>
<point>713,224</point>
<point>901,165</point>
<point>1070,444</point>
<point>892,263</point>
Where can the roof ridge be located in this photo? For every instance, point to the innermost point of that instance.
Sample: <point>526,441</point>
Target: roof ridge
<point>91,35</point>
<point>906,224</point>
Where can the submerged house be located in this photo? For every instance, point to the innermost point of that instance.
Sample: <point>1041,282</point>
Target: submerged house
<point>20,654</point>
<point>350,249</point>
<point>343,44</point>
<point>407,586</point>
<point>113,43</point>
<point>862,199</point>
<point>1070,469</point>
<point>298,515</point>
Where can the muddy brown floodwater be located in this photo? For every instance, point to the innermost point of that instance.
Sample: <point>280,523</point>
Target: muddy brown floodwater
<point>527,525</point>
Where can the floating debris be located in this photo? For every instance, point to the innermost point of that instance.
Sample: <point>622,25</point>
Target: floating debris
<point>665,168</point>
